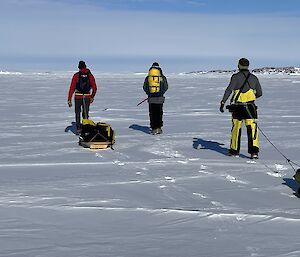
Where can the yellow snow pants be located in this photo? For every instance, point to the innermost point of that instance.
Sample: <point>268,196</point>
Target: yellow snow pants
<point>252,133</point>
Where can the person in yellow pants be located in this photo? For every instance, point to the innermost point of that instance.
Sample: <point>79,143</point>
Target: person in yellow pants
<point>246,89</point>
<point>253,144</point>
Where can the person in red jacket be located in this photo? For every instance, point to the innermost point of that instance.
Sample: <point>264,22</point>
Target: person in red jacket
<point>83,82</point>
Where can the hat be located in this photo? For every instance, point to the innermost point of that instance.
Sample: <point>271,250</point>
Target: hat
<point>155,64</point>
<point>243,64</point>
<point>81,65</point>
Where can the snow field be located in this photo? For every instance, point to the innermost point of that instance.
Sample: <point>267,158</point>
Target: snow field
<point>175,194</point>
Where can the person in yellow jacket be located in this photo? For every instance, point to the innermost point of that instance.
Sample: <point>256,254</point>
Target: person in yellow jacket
<point>246,89</point>
<point>155,85</point>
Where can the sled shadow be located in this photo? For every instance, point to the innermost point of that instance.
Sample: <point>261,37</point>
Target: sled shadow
<point>291,183</point>
<point>212,145</point>
<point>71,128</point>
<point>144,129</point>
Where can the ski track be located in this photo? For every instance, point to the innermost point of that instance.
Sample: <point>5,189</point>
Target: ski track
<point>203,163</point>
<point>214,213</point>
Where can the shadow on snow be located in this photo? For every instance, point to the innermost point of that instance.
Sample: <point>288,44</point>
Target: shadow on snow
<point>71,128</point>
<point>294,185</point>
<point>144,129</point>
<point>212,145</point>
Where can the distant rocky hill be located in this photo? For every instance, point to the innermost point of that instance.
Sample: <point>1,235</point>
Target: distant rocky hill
<point>263,70</point>
<point>269,70</point>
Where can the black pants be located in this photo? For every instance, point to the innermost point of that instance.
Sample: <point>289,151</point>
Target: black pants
<point>156,114</point>
<point>84,106</point>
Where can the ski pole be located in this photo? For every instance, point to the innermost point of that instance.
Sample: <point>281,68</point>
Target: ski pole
<point>142,102</point>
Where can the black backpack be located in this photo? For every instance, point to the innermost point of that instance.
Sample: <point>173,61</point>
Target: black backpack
<point>83,83</point>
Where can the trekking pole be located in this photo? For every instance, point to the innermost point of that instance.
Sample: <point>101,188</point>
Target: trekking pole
<point>142,101</point>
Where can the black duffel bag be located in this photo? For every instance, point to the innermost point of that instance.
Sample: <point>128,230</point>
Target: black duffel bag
<point>97,132</point>
<point>243,111</point>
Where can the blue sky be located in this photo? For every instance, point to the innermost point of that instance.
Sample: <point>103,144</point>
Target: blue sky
<point>290,7</point>
<point>216,32</point>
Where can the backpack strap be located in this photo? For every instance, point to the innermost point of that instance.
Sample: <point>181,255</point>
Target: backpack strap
<point>241,89</point>
<point>81,73</point>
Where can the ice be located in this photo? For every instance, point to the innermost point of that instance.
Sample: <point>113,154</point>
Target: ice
<point>176,194</point>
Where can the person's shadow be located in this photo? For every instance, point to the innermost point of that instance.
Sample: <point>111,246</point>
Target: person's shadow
<point>294,185</point>
<point>144,129</point>
<point>212,145</point>
<point>71,128</point>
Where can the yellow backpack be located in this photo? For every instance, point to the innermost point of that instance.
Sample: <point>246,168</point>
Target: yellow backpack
<point>154,79</point>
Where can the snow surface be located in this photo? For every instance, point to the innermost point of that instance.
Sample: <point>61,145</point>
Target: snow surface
<point>175,194</point>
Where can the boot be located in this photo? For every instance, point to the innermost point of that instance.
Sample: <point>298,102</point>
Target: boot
<point>154,131</point>
<point>233,153</point>
<point>78,129</point>
<point>254,156</point>
<point>159,131</point>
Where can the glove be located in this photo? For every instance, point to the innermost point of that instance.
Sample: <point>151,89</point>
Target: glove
<point>91,100</point>
<point>70,103</point>
<point>222,107</point>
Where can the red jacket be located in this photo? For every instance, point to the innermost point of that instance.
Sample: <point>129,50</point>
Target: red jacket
<point>73,86</point>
